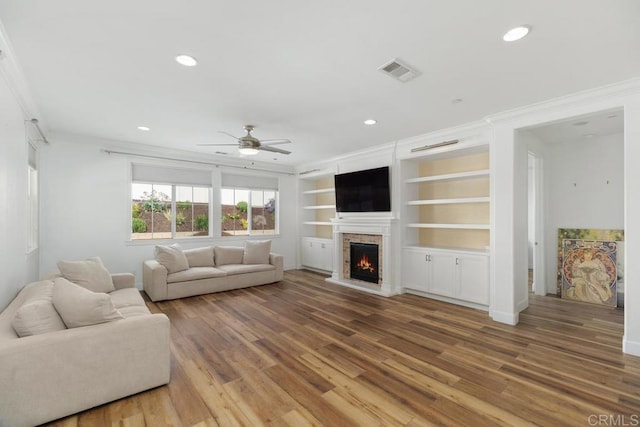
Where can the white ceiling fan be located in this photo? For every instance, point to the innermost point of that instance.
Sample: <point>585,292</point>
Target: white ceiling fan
<point>248,144</point>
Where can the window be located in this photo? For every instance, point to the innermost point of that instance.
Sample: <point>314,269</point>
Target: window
<point>32,200</point>
<point>248,205</point>
<point>163,206</point>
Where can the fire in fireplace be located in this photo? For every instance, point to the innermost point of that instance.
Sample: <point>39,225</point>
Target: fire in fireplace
<point>363,264</point>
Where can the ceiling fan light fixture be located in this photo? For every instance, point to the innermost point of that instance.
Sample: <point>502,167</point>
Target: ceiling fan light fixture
<point>248,150</point>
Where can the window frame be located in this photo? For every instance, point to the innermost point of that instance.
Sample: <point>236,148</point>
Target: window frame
<point>276,228</point>
<point>173,211</point>
<point>32,199</point>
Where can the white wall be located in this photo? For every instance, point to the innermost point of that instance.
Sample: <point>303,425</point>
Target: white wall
<point>17,268</point>
<point>586,190</point>
<point>85,209</point>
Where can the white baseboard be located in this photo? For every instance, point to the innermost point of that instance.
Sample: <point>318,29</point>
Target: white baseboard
<point>504,317</point>
<point>630,347</point>
<point>522,305</point>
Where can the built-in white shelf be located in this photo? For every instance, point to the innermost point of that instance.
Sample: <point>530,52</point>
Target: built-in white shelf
<point>449,201</point>
<point>316,223</point>
<point>450,176</point>
<point>457,226</point>
<point>320,207</point>
<point>320,191</point>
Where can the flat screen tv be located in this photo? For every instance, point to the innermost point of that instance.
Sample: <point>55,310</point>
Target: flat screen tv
<point>363,191</point>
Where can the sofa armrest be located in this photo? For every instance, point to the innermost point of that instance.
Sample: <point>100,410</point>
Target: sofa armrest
<point>123,280</point>
<point>277,260</point>
<point>154,280</point>
<point>49,376</point>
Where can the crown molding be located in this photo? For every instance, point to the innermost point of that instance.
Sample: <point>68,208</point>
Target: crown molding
<point>614,90</point>
<point>12,73</point>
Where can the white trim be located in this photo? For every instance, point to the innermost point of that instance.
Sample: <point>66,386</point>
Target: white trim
<point>606,92</point>
<point>503,317</point>
<point>12,72</point>
<point>630,347</point>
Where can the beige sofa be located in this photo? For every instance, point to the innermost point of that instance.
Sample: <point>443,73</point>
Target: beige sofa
<point>209,269</point>
<point>54,374</point>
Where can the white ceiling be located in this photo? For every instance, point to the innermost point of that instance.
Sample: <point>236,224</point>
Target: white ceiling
<point>306,71</point>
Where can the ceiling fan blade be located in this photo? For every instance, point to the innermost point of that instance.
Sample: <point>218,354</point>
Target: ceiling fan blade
<point>273,149</point>
<point>227,133</point>
<point>274,141</point>
<point>211,145</point>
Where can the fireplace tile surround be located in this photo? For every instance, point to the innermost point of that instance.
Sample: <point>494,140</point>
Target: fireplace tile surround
<point>375,229</point>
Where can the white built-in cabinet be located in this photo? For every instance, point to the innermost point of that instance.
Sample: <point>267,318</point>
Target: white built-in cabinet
<point>445,220</point>
<point>457,274</point>
<point>317,195</point>
<point>317,253</point>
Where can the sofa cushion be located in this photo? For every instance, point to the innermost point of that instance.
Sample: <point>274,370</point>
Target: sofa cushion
<point>200,257</point>
<point>90,274</point>
<point>171,257</point>
<point>81,307</point>
<point>127,297</point>
<point>37,315</point>
<point>256,252</point>
<point>233,269</point>
<point>195,273</point>
<point>228,255</point>
<point>134,310</point>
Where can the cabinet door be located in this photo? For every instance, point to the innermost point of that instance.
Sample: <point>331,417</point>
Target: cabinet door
<point>473,278</point>
<point>326,256</point>
<point>414,269</point>
<point>309,252</point>
<point>441,280</point>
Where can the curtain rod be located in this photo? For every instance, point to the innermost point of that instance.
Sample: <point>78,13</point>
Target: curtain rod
<point>37,126</point>
<point>193,161</point>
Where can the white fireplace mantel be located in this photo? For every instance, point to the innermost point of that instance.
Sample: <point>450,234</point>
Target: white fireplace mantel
<point>371,225</point>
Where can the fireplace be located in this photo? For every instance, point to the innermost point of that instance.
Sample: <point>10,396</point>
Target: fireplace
<point>363,264</point>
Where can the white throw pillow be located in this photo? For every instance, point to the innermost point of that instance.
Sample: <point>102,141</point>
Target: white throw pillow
<point>200,257</point>
<point>171,257</point>
<point>228,255</point>
<point>90,274</point>
<point>81,307</point>
<point>37,315</point>
<point>256,252</point>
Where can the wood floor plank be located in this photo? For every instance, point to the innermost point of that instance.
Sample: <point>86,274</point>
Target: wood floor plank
<point>303,352</point>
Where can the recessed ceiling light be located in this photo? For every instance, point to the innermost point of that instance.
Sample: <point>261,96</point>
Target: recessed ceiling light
<point>186,60</point>
<point>144,128</point>
<point>370,122</point>
<point>516,33</point>
<point>589,135</point>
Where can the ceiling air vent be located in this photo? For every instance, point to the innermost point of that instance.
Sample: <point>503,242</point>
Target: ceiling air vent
<point>399,70</point>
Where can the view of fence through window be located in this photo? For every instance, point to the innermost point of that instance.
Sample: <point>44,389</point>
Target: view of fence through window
<point>151,216</point>
<point>248,212</point>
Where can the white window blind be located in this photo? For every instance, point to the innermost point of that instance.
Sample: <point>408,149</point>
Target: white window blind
<point>168,175</point>
<point>249,181</point>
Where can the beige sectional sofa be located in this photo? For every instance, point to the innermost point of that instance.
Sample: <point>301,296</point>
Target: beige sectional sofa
<point>177,273</point>
<point>54,371</point>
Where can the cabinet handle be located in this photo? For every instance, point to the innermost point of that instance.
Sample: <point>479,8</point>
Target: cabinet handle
<point>323,246</point>
<point>427,258</point>
<point>457,261</point>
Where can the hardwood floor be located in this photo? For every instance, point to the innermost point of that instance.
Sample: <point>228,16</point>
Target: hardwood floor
<point>304,352</point>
